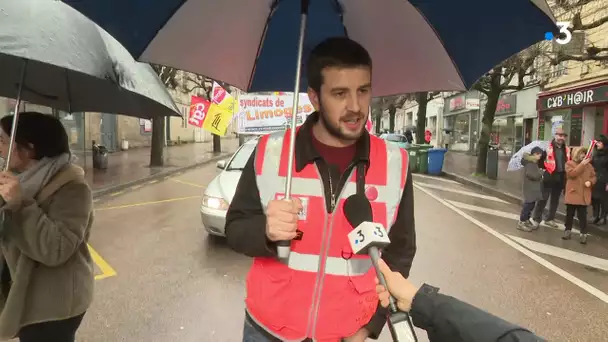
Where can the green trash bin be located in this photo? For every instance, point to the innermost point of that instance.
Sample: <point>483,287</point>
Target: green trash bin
<point>412,152</point>
<point>423,160</point>
<point>423,157</point>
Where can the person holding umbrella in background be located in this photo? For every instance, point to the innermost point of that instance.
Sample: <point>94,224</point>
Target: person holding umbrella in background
<point>599,196</point>
<point>47,273</point>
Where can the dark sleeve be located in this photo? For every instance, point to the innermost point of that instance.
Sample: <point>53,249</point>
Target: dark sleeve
<point>446,318</point>
<point>400,253</point>
<point>245,220</point>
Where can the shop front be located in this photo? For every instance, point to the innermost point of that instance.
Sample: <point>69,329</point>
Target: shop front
<point>461,119</point>
<point>507,129</point>
<point>581,112</point>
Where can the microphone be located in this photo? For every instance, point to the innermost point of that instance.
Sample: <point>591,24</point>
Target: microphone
<point>369,237</point>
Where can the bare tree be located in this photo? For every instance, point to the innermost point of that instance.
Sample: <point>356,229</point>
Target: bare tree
<point>167,75</point>
<point>492,84</point>
<point>573,9</point>
<point>390,103</point>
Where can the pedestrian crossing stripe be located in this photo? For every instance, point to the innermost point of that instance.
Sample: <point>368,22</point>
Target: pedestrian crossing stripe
<point>562,253</point>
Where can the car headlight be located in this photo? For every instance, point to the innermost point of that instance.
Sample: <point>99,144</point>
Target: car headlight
<point>215,203</point>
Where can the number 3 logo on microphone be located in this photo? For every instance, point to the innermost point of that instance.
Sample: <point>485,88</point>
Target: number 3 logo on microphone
<point>378,231</point>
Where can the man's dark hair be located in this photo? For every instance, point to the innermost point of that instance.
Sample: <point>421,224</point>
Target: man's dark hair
<point>44,132</point>
<point>335,52</point>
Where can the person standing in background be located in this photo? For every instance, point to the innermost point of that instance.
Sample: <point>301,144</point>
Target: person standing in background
<point>532,188</point>
<point>446,138</point>
<point>599,196</point>
<point>554,178</point>
<point>581,178</point>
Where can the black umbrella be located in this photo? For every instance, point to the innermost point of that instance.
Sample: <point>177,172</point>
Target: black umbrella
<point>54,56</point>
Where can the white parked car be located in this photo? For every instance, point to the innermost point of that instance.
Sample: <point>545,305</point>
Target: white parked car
<point>220,191</point>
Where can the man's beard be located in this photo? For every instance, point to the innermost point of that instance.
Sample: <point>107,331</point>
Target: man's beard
<point>334,130</point>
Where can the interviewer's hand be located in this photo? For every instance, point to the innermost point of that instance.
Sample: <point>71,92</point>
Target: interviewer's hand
<point>402,290</point>
<point>282,219</point>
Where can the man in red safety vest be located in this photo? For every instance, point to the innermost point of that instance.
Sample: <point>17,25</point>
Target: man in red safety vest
<point>554,178</point>
<point>322,292</point>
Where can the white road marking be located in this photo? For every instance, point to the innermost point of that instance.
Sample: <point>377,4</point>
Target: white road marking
<point>462,192</point>
<point>574,280</point>
<point>502,214</point>
<point>441,179</point>
<point>581,258</point>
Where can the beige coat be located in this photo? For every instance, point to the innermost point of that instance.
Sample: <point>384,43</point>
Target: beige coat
<point>45,248</point>
<point>576,175</point>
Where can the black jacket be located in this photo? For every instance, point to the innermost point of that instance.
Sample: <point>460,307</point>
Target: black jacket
<point>557,178</point>
<point>447,319</point>
<point>246,222</point>
<point>600,165</point>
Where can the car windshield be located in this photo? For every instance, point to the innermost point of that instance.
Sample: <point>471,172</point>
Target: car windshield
<point>394,138</point>
<point>241,157</point>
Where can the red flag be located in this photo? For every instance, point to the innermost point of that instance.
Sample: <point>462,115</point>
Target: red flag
<point>219,93</point>
<point>198,111</point>
<point>593,142</point>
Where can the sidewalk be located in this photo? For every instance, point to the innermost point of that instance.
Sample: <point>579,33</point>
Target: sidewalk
<point>508,186</point>
<point>131,167</point>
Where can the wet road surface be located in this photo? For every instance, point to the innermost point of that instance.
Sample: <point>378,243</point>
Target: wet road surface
<point>167,280</point>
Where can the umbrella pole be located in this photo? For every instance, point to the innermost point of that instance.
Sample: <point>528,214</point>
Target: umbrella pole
<point>68,95</point>
<point>11,143</point>
<point>283,247</point>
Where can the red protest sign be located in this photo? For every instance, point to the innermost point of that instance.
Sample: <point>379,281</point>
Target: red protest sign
<point>198,110</point>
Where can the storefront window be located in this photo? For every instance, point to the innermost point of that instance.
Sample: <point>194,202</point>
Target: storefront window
<point>460,126</point>
<point>507,134</point>
<point>554,119</point>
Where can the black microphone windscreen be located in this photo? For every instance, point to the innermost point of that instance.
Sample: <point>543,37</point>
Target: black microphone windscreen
<point>357,209</point>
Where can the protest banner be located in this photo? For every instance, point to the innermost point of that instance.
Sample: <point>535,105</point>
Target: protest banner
<point>220,112</point>
<point>259,114</point>
<point>198,111</point>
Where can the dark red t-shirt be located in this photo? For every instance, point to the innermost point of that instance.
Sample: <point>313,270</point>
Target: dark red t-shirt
<point>338,156</point>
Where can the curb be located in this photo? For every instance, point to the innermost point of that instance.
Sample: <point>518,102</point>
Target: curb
<point>511,198</point>
<point>163,174</point>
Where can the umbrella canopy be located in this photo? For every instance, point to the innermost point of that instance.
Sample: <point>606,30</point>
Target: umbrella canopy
<point>73,65</point>
<point>416,45</point>
<point>515,161</point>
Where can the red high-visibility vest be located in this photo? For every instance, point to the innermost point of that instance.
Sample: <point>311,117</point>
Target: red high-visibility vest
<point>550,160</point>
<point>323,292</point>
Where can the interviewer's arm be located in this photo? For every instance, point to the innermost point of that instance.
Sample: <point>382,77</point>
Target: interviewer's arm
<point>399,255</point>
<point>446,318</point>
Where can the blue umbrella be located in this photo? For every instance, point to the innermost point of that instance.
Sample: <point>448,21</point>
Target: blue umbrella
<point>416,45</point>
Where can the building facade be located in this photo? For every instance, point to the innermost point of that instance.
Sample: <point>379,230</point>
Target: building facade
<point>461,117</point>
<point>576,98</point>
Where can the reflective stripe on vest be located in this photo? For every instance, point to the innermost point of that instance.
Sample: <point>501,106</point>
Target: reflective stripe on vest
<point>270,182</point>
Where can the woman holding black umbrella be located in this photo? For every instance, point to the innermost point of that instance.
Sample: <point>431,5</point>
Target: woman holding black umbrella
<point>47,209</point>
<point>599,195</point>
